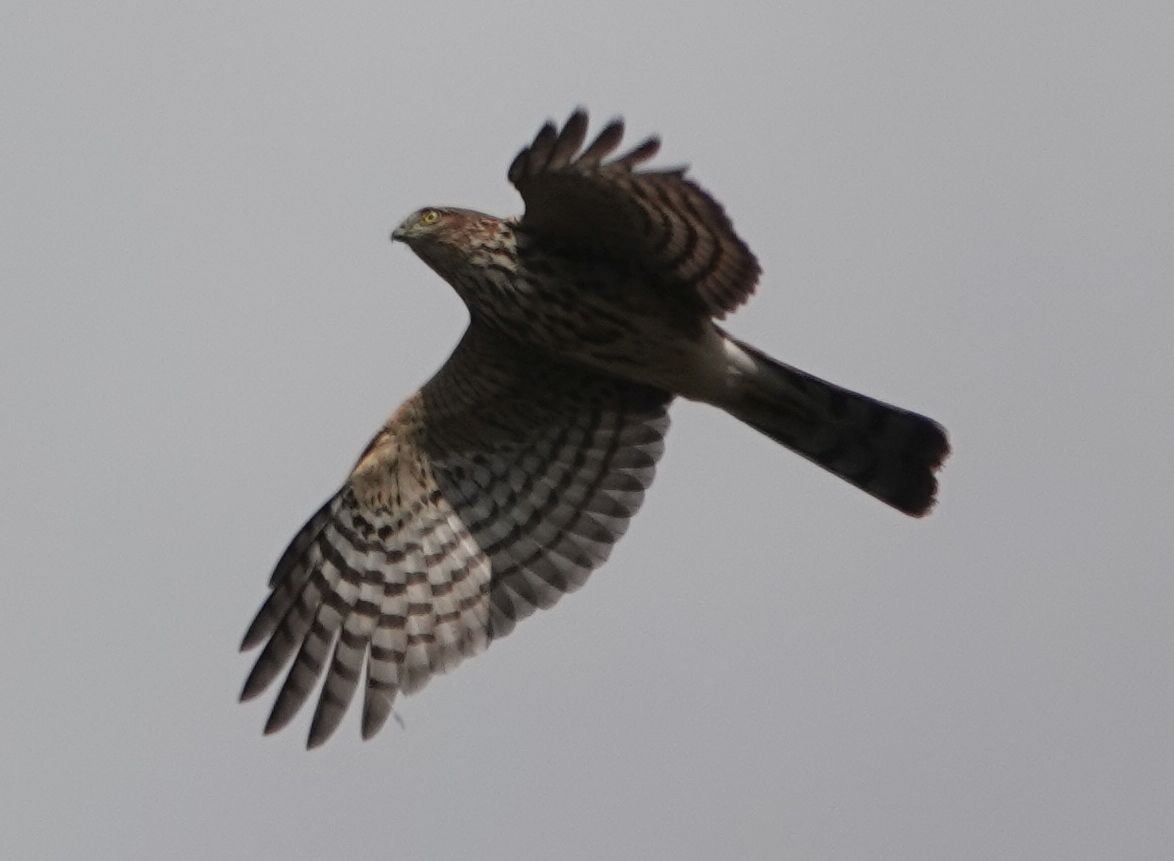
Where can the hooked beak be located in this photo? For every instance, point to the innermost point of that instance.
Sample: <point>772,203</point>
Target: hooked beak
<point>399,235</point>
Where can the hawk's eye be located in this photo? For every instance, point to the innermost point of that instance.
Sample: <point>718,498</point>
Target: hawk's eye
<point>429,216</point>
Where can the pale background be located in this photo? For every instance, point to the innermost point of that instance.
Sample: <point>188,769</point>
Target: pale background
<point>965,208</point>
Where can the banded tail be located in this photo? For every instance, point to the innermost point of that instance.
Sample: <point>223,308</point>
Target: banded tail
<point>885,451</point>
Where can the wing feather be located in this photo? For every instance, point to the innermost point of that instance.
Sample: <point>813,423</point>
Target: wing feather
<point>657,222</point>
<point>491,493</point>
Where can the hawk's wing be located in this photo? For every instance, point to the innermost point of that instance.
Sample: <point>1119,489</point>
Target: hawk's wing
<point>655,221</point>
<point>496,488</point>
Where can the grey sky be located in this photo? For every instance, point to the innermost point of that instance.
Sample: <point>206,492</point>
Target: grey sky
<point>967,209</point>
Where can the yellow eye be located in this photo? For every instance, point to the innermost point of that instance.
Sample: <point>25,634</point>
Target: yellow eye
<point>429,216</point>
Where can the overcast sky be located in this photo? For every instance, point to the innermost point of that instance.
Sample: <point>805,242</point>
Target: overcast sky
<point>966,209</point>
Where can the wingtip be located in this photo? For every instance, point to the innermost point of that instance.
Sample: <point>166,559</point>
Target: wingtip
<point>253,685</point>
<point>642,152</point>
<point>378,705</point>
<point>280,715</point>
<point>516,166</point>
<point>546,133</point>
<point>575,128</point>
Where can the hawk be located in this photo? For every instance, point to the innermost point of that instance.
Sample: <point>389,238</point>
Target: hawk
<point>506,480</point>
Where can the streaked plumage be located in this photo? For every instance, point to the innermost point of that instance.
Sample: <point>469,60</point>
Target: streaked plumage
<point>509,476</point>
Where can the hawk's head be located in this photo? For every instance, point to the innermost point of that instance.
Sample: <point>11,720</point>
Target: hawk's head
<point>446,237</point>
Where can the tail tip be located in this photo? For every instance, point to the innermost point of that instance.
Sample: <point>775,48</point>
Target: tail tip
<point>917,495</point>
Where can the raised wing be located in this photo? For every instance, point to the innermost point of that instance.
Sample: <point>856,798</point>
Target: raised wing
<point>490,493</point>
<point>655,221</point>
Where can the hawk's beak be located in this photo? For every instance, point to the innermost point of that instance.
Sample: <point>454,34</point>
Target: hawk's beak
<point>399,235</point>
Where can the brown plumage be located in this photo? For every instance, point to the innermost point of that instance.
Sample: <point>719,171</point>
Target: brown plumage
<point>509,476</point>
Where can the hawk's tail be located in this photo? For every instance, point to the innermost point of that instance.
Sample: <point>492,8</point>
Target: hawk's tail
<point>887,452</point>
